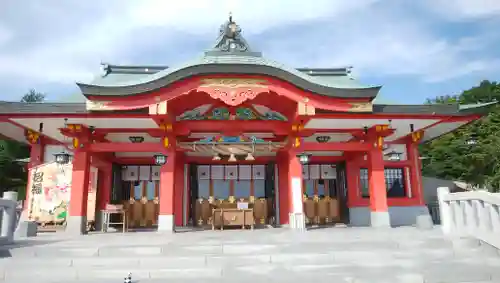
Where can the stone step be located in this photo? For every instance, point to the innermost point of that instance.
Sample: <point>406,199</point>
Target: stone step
<point>260,272</point>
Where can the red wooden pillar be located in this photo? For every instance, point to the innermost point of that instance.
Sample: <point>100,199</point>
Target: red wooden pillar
<point>415,173</point>
<point>352,179</point>
<point>379,211</point>
<point>282,162</point>
<point>105,181</point>
<point>179,189</point>
<point>167,194</point>
<point>36,158</point>
<point>77,219</point>
<point>295,194</point>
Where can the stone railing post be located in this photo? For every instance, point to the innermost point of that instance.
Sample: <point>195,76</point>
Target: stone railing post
<point>485,223</point>
<point>494,210</point>
<point>8,219</point>
<point>445,212</point>
<point>471,219</point>
<point>471,215</point>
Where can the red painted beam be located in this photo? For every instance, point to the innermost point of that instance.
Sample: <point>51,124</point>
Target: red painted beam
<point>336,146</point>
<point>146,160</point>
<point>126,147</point>
<point>232,127</point>
<point>208,160</point>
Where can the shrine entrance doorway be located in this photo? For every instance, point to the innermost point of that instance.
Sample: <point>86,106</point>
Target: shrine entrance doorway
<point>324,194</point>
<point>141,186</point>
<point>227,186</point>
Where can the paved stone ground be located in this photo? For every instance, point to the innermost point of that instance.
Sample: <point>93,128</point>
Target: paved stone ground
<point>272,255</point>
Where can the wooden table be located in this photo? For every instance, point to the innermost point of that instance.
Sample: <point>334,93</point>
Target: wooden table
<point>232,217</point>
<point>106,219</point>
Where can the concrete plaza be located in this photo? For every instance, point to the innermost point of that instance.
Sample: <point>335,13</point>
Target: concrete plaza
<point>270,255</point>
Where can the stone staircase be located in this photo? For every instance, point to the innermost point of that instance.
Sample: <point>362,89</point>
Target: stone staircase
<point>269,255</point>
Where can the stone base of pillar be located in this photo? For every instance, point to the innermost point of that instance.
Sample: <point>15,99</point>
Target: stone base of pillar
<point>26,229</point>
<point>166,223</point>
<point>380,219</point>
<point>424,222</point>
<point>297,221</point>
<point>76,225</point>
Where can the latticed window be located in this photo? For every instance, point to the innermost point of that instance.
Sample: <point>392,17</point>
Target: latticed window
<point>394,182</point>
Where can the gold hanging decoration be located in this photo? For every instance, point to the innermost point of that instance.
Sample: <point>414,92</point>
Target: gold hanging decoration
<point>296,143</point>
<point>166,142</point>
<point>76,143</point>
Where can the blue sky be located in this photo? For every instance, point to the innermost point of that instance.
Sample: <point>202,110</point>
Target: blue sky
<point>415,49</point>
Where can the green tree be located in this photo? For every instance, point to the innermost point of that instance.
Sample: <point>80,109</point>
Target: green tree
<point>12,173</point>
<point>450,157</point>
<point>33,96</point>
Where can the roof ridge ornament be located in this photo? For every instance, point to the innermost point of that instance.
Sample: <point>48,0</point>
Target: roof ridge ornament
<point>230,40</point>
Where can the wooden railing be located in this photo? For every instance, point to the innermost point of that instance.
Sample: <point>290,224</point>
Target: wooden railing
<point>470,214</point>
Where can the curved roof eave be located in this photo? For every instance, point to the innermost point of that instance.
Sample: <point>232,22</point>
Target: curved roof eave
<point>233,65</point>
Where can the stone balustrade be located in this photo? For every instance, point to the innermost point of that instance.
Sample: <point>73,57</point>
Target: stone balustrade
<point>470,214</point>
<point>8,220</point>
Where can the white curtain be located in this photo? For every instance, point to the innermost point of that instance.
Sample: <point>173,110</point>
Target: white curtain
<point>259,172</point>
<point>328,171</point>
<point>231,172</point>
<point>130,173</point>
<point>203,172</point>
<point>144,173</point>
<point>217,172</point>
<point>314,172</point>
<point>245,172</point>
<point>155,173</point>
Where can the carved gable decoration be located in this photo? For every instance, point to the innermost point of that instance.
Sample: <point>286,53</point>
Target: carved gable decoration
<point>233,92</point>
<point>253,112</point>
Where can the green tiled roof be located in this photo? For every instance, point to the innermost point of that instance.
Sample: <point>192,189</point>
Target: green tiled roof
<point>426,109</point>
<point>229,55</point>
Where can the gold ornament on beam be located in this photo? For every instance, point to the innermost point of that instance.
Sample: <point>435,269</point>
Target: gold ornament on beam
<point>297,127</point>
<point>380,128</point>
<point>167,127</point>
<point>32,137</point>
<point>75,127</point>
<point>417,136</point>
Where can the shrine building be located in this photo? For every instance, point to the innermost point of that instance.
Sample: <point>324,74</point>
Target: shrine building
<point>297,146</point>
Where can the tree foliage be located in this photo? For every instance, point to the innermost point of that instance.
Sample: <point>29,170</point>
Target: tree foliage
<point>12,173</point>
<point>33,96</point>
<point>450,157</point>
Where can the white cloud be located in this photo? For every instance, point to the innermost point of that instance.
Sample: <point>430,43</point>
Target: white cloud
<point>375,39</point>
<point>5,35</point>
<point>388,44</point>
<point>465,9</point>
<point>77,54</point>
